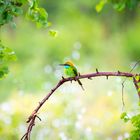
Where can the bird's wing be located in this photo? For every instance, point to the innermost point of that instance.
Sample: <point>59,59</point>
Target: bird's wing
<point>75,71</point>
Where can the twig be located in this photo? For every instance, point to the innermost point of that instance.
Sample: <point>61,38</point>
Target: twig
<point>123,104</point>
<point>33,116</point>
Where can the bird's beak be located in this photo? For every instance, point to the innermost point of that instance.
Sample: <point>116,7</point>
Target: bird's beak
<point>61,64</point>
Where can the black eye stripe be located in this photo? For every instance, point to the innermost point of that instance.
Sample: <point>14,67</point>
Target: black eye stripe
<point>67,65</point>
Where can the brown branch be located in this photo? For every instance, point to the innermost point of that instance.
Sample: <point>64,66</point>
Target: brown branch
<point>136,83</point>
<point>33,116</point>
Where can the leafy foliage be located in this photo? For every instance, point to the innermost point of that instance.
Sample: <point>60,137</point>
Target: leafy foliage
<point>9,10</point>
<point>125,117</point>
<point>100,5</point>
<point>135,121</point>
<point>119,5</point>
<point>53,33</point>
<point>135,134</point>
<point>138,83</point>
<point>13,8</point>
<point>6,55</point>
<point>36,14</point>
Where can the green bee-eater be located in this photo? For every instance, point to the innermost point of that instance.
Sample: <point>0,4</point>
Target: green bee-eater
<point>71,71</point>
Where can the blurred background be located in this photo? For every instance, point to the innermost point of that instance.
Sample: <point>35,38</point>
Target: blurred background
<point>108,41</point>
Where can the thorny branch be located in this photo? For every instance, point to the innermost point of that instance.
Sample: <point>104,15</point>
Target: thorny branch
<point>33,116</point>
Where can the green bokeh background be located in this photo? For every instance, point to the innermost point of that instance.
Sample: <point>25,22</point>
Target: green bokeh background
<point>108,41</point>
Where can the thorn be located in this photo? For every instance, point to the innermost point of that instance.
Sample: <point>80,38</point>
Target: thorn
<point>63,78</point>
<point>79,74</point>
<point>107,77</point>
<point>90,78</point>
<point>97,70</point>
<point>28,120</point>
<point>119,72</point>
<point>52,90</point>
<point>39,103</point>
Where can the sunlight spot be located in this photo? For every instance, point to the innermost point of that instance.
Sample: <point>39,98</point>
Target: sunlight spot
<point>96,121</point>
<point>89,133</point>
<point>58,74</point>
<point>79,116</point>
<point>11,53</point>
<point>77,45</point>
<point>120,138</point>
<point>63,89</point>
<point>7,120</point>
<point>7,107</point>
<point>65,122</point>
<point>88,130</point>
<point>22,128</point>
<point>63,136</point>
<point>21,92</point>
<point>75,55</point>
<point>56,123</point>
<point>67,59</point>
<point>83,110</point>
<point>42,133</point>
<point>48,69</point>
<point>109,93</point>
<point>118,80</point>
<point>78,125</point>
<point>47,86</point>
<point>126,135</point>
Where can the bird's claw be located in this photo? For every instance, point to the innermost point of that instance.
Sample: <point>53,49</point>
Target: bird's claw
<point>74,78</point>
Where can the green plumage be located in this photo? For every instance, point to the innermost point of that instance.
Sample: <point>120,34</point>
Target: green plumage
<point>70,71</point>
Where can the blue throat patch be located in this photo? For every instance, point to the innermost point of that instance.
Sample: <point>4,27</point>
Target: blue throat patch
<point>66,66</point>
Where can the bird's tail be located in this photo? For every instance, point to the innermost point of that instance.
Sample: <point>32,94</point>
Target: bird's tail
<point>79,82</point>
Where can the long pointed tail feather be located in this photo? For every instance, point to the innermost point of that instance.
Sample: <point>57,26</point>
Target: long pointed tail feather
<point>79,82</point>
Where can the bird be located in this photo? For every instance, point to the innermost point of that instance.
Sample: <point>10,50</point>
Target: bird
<point>71,71</point>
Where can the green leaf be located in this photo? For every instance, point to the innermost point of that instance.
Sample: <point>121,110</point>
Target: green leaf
<point>136,121</point>
<point>124,117</point>
<point>53,33</point>
<point>100,5</point>
<point>3,72</point>
<point>137,77</point>
<point>38,15</point>
<point>119,6</point>
<point>131,4</point>
<point>6,55</point>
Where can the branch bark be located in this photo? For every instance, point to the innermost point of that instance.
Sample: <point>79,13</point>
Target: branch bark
<point>33,116</point>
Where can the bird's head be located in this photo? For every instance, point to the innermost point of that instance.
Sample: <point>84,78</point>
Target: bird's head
<point>68,63</point>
